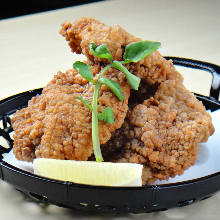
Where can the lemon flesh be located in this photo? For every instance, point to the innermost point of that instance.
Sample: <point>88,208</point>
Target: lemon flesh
<point>90,172</point>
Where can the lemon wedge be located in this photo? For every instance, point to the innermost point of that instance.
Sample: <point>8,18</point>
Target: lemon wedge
<point>90,172</point>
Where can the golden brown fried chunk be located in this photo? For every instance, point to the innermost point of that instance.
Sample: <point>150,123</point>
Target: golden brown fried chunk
<point>57,125</point>
<point>164,124</point>
<point>28,126</point>
<point>154,68</point>
<point>88,30</point>
<point>163,132</point>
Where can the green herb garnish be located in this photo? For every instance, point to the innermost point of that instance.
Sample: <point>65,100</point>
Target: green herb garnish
<point>133,80</point>
<point>134,52</point>
<point>107,115</point>
<point>84,70</point>
<point>100,51</point>
<point>114,86</point>
<point>85,102</point>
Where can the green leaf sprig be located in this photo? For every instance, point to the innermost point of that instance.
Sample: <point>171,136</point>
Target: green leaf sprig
<point>134,52</point>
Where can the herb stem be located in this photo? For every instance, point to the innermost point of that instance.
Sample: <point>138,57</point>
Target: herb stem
<point>133,80</point>
<point>105,69</point>
<point>95,124</point>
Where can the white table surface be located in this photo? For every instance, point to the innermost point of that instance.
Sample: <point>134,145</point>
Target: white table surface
<point>32,51</point>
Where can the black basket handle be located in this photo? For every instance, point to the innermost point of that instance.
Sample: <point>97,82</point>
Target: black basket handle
<point>211,68</point>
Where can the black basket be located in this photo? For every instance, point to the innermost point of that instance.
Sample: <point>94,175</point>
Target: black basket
<point>109,199</point>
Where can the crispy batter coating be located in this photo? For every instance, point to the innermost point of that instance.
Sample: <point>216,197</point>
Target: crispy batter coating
<point>47,127</point>
<point>154,68</point>
<point>162,133</point>
<point>88,30</point>
<point>160,126</point>
<point>57,125</point>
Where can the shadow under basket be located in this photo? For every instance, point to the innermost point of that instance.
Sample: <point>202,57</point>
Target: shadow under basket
<point>102,198</point>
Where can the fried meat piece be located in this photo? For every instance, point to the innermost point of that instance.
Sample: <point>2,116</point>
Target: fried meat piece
<point>160,126</point>
<point>154,68</point>
<point>89,30</point>
<point>57,125</point>
<point>162,133</point>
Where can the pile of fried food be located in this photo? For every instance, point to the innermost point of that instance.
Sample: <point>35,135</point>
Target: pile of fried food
<point>159,126</point>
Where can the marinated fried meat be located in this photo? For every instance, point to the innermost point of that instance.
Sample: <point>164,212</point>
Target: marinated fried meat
<point>42,129</point>
<point>57,125</point>
<point>88,30</point>
<point>154,68</point>
<point>159,126</point>
<point>162,133</point>
<point>163,130</point>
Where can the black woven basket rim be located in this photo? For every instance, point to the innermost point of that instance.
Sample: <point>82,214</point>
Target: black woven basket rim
<point>11,174</point>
